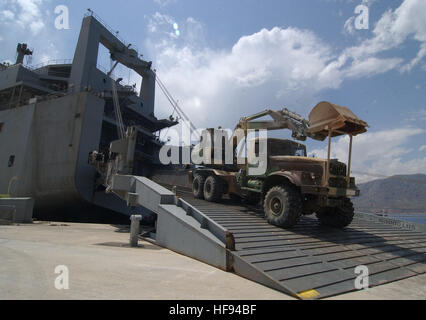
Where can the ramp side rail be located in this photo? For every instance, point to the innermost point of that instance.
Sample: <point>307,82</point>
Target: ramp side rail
<point>180,226</point>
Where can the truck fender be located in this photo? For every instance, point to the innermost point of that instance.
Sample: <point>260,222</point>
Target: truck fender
<point>275,178</point>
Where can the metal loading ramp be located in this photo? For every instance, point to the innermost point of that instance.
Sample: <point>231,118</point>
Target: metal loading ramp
<point>312,261</point>
<point>308,262</point>
<point>180,226</point>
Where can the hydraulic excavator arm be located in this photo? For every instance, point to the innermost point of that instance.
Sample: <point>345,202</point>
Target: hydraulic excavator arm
<point>325,117</point>
<point>280,119</point>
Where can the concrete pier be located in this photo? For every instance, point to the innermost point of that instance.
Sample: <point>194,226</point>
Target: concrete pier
<point>102,265</point>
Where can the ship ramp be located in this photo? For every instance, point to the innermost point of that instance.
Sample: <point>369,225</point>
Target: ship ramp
<point>308,261</point>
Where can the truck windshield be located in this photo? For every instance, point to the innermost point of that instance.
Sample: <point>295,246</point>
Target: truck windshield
<point>300,152</point>
<point>283,148</point>
<point>287,148</point>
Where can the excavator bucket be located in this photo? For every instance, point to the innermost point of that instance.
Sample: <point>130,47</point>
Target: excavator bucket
<point>340,120</point>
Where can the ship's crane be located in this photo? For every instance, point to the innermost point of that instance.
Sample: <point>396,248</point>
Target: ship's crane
<point>22,51</point>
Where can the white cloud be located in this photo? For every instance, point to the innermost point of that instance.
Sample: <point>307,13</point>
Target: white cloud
<point>380,153</point>
<point>164,3</point>
<point>29,26</point>
<point>24,13</point>
<point>257,72</point>
<point>268,65</point>
<point>159,20</point>
<point>349,25</point>
<point>422,148</point>
<point>50,54</point>
<point>394,27</point>
<point>6,15</point>
<point>418,115</point>
<point>371,66</point>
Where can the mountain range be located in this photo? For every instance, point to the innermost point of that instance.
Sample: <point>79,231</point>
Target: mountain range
<point>396,194</point>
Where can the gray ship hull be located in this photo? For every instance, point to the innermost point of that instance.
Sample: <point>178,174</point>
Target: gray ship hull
<point>46,146</point>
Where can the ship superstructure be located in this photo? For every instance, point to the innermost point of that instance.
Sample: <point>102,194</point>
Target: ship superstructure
<point>53,116</point>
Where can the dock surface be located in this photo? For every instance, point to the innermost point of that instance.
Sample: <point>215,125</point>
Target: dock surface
<point>103,266</point>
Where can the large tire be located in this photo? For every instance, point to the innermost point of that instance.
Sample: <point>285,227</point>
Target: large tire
<point>283,206</point>
<point>338,217</point>
<point>213,189</point>
<point>198,186</point>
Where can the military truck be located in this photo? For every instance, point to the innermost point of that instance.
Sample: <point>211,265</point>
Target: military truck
<point>292,184</point>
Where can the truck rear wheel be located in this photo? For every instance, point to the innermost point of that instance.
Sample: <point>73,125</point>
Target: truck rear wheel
<point>283,206</point>
<point>198,186</point>
<point>213,189</point>
<point>338,217</point>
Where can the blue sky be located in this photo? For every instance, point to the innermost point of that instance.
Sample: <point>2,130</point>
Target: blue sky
<point>235,58</point>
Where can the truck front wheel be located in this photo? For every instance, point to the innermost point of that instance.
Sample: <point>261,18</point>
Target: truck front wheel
<point>338,217</point>
<point>213,189</point>
<point>283,206</point>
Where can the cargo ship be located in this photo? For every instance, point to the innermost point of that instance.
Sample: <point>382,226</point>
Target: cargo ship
<point>53,116</point>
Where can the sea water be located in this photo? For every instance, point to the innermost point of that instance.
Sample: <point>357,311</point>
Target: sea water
<point>416,218</point>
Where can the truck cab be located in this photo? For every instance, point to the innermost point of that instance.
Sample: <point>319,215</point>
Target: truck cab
<point>287,162</point>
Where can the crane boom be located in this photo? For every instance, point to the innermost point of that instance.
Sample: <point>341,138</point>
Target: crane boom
<point>281,119</point>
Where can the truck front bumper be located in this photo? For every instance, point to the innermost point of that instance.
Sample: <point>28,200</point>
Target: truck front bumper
<point>330,191</point>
